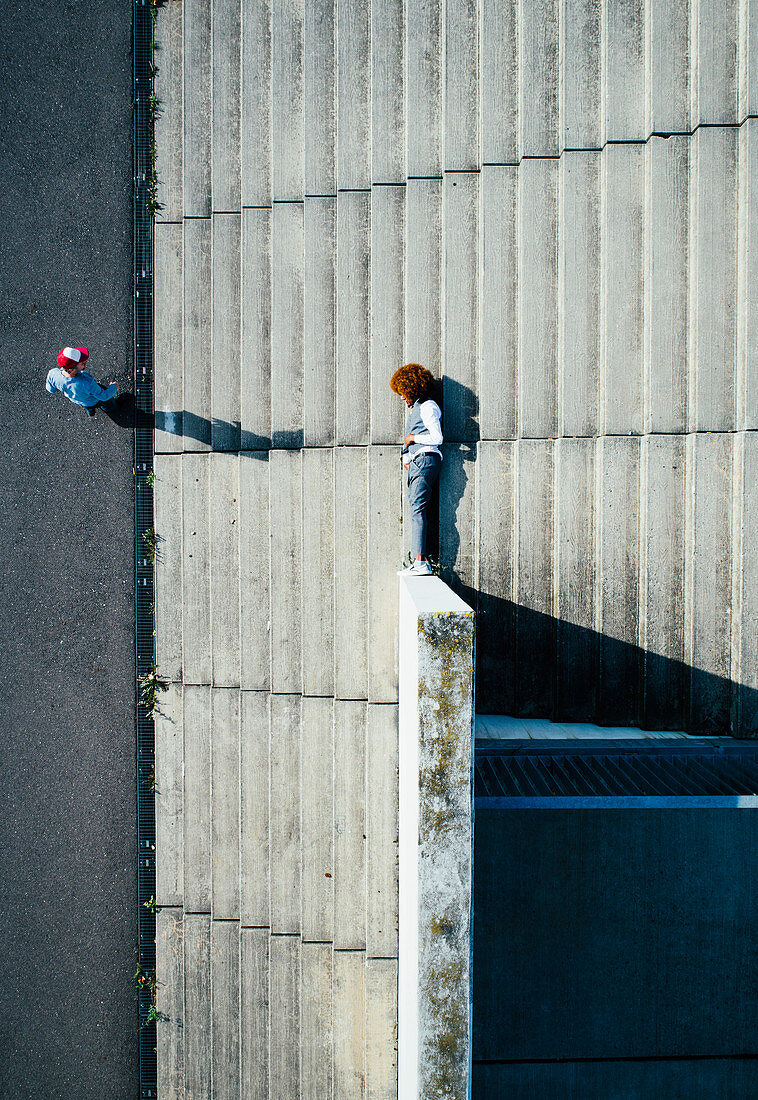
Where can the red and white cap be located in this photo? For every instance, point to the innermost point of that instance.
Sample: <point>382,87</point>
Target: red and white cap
<point>70,357</point>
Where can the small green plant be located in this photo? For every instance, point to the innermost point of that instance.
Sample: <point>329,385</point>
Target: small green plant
<point>149,685</point>
<point>145,982</point>
<point>151,478</point>
<point>151,904</point>
<point>151,541</point>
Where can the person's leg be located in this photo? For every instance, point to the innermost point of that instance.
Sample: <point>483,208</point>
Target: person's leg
<point>422,476</point>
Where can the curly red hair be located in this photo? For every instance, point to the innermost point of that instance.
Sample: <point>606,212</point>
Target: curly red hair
<point>413,382</point>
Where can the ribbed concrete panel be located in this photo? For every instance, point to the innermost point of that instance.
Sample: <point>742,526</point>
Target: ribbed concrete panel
<point>580,74</point>
<point>576,643</point>
<point>196,620</point>
<point>423,272</point>
<point>668,30</point>
<point>254,1012</point>
<point>498,293</point>
<point>349,824</point>
<point>225,1013</point>
<point>461,311</point>
<point>196,69</point>
<point>225,105</point>
<point>618,508</point>
<point>284,1018</point>
<point>254,576</point>
<point>224,528</point>
<point>423,113</point>
<point>460,92</point>
<point>533,590</point>
<point>168,119</point>
<point>623,184</point>
<point>287,325</point>
<point>167,339</point>
<point>662,581</point>
<point>284,814</point>
<point>350,565</point>
<point>167,506</point>
<point>169,1000</point>
<point>196,418</point>
<point>666,283</point>
<point>708,584</point>
<point>353,316</point>
<point>349,992</point>
<point>225,333</point>
<point>197,1005</point>
<point>254,808</point>
<point>387,310</point>
<point>317,818</point>
<point>457,511</point>
<point>381,831</point>
<point>713,280</point>
<point>714,52</point>
<point>319,97</point>
<point>381,1029</point>
<point>498,83</point>
<point>286,570</point>
<point>319,321</point>
<point>316,1035</point>
<point>169,798</point>
<point>255,103</point>
<point>579,294</point>
<point>748,60</point>
<point>538,78</point>
<point>318,571</point>
<point>624,71</point>
<point>255,337</point>
<point>353,94</point>
<point>384,559</point>
<point>197,799</point>
<point>496,641</point>
<point>747,307</point>
<point>538,297</point>
<point>387,92</point>
<point>745,574</point>
<point>287,111</point>
<point>225,802</point>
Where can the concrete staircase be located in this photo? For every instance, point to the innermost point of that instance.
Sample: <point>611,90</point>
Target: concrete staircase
<point>482,188</point>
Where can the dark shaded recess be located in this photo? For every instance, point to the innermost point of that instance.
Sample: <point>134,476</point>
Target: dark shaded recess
<point>613,952</point>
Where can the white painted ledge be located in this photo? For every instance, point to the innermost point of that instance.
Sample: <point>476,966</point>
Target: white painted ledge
<point>436,831</point>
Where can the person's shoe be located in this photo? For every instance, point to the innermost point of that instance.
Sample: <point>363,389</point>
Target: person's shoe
<point>418,569</point>
<point>92,410</point>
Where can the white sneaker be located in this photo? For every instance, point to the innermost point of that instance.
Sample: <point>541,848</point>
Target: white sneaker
<point>417,569</point>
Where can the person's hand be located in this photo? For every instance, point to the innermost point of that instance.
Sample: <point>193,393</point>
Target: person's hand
<point>408,440</point>
<point>114,384</point>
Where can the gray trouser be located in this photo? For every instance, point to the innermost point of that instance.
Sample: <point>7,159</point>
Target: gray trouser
<point>423,471</point>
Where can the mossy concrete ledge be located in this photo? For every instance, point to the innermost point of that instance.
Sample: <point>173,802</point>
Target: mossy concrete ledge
<point>436,829</point>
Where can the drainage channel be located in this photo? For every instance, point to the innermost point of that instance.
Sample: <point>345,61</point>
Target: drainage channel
<point>144,194</point>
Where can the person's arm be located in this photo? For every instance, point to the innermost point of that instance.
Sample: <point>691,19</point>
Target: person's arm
<point>432,434</point>
<point>94,389</point>
<point>49,384</point>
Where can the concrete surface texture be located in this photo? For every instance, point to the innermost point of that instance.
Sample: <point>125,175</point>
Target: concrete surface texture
<point>483,189</point>
<point>436,643</point>
<point>68,1017</point>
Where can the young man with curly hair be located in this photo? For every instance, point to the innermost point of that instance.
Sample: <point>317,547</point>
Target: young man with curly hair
<point>422,456</point>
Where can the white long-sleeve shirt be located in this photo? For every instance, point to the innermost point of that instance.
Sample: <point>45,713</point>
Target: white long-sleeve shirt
<point>425,425</point>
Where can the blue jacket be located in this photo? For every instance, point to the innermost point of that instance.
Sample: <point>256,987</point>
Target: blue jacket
<point>82,389</point>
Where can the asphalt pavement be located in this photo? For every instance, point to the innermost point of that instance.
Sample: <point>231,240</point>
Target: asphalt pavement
<point>67,849</point>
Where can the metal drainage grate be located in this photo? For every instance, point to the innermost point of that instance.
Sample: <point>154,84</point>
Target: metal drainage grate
<point>143,464</point>
<point>603,769</point>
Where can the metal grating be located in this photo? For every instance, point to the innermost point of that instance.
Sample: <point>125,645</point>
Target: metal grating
<point>143,464</point>
<point>615,769</point>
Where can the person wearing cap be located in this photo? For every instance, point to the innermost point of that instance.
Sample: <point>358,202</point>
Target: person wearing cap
<point>70,379</point>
